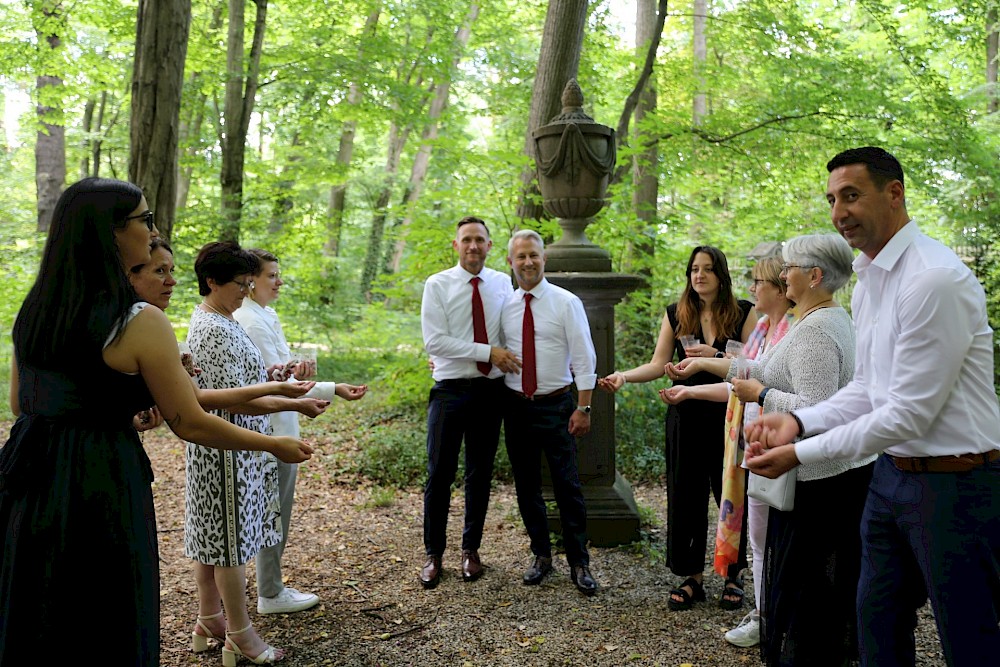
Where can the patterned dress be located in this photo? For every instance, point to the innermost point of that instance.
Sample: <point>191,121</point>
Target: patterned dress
<point>231,497</point>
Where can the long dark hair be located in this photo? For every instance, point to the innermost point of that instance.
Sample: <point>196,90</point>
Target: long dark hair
<point>725,310</point>
<point>82,292</point>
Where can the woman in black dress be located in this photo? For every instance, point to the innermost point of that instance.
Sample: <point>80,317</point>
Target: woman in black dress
<point>79,570</point>
<point>707,311</point>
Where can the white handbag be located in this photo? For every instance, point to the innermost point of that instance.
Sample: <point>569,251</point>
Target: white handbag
<point>779,493</point>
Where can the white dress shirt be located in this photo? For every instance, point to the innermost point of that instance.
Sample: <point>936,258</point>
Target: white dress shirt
<point>923,382</point>
<point>563,346</point>
<point>446,321</point>
<point>262,325</point>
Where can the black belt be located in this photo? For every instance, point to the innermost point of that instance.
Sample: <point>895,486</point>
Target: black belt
<point>959,463</point>
<point>467,382</point>
<point>534,397</point>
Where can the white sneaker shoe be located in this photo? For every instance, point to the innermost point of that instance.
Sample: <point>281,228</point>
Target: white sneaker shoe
<point>287,601</point>
<point>747,633</point>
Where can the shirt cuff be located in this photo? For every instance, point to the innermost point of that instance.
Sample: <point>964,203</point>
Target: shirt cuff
<point>585,382</point>
<point>809,451</point>
<point>811,422</point>
<point>483,351</point>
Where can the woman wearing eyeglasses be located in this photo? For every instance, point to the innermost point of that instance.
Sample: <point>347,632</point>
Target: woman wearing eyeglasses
<point>79,574</point>
<point>812,552</point>
<point>231,498</point>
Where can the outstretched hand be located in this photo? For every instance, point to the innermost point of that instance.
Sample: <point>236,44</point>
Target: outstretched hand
<point>676,394</point>
<point>350,392</point>
<point>291,450</point>
<point>683,369</point>
<point>770,462</point>
<point>294,389</point>
<point>311,407</point>
<point>612,383</point>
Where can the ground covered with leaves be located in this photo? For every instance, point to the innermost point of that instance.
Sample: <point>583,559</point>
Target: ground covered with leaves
<point>360,548</point>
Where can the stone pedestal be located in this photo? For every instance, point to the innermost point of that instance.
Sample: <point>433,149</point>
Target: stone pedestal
<point>612,517</point>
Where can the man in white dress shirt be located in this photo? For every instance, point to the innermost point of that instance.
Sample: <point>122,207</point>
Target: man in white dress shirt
<point>460,319</point>
<point>546,327</point>
<point>923,397</point>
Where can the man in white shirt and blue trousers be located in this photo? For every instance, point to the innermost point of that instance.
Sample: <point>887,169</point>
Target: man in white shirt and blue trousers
<point>460,319</point>
<point>923,397</point>
<point>546,327</point>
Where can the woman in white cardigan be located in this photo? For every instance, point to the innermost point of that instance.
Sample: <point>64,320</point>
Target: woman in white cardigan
<point>262,324</point>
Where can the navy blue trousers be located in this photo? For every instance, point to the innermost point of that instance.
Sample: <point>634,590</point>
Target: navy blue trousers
<point>931,535</point>
<point>532,428</point>
<point>457,410</point>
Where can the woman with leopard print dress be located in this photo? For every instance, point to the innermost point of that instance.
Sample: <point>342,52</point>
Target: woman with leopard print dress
<point>231,498</point>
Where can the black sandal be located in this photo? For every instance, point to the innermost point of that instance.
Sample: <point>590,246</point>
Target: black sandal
<point>687,600</point>
<point>732,595</point>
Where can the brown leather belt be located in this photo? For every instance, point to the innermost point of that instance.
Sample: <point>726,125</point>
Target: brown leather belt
<point>960,463</point>
<point>551,394</point>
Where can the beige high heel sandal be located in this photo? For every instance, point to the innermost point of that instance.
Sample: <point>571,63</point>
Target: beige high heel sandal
<point>268,656</point>
<point>199,643</point>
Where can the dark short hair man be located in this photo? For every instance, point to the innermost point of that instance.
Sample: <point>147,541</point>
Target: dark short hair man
<point>923,397</point>
<point>546,327</point>
<point>460,319</point>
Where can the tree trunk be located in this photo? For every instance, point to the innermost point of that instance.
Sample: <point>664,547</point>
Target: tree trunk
<point>338,193</point>
<point>700,107</point>
<point>240,93</point>
<point>157,81</point>
<point>373,254</point>
<point>88,133</point>
<point>422,160</point>
<point>992,29</point>
<point>50,142</point>
<point>558,62</point>
<point>644,164</point>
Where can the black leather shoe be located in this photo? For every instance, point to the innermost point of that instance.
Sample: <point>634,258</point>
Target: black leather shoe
<point>541,567</point>
<point>430,574</point>
<point>580,574</point>
<point>472,567</point>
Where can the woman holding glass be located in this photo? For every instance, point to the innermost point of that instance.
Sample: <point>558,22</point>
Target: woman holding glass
<point>812,552</point>
<point>709,312</point>
<point>775,310</point>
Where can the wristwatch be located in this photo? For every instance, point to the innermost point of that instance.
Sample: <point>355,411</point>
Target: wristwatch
<point>585,409</point>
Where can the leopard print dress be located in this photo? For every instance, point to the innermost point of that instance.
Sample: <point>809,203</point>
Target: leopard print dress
<point>231,497</point>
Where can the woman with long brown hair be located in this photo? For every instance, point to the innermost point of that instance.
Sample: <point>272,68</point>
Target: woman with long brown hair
<point>708,311</point>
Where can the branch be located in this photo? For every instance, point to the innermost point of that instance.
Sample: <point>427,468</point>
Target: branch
<point>647,70</point>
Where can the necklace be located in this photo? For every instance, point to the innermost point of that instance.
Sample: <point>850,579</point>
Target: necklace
<point>215,310</point>
<point>821,304</point>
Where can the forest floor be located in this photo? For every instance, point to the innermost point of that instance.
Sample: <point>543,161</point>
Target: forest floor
<point>360,549</point>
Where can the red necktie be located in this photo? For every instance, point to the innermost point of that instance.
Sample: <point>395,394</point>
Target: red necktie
<point>479,324</point>
<point>529,383</point>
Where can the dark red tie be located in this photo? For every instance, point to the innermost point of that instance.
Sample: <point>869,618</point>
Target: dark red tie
<point>479,324</point>
<point>529,382</point>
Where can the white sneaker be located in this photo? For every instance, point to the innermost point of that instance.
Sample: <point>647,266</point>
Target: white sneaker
<point>287,601</point>
<point>747,633</point>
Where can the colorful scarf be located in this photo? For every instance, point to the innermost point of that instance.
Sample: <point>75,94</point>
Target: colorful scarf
<point>734,493</point>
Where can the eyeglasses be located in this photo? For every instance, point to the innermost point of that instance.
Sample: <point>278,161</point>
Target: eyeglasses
<point>146,216</point>
<point>245,286</point>
<point>785,267</point>
<point>757,282</point>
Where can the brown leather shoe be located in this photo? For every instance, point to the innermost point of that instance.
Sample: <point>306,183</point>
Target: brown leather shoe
<point>541,567</point>
<point>430,574</point>
<point>472,567</point>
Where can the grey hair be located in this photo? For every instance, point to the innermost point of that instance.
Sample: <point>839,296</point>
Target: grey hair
<point>524,234</point>
<point>829,252</point>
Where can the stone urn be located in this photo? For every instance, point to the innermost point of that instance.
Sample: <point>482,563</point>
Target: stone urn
<point>575,157</point>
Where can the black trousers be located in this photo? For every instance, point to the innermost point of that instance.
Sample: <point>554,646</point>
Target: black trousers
<point>457,410</point>
<point>531,428</point>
